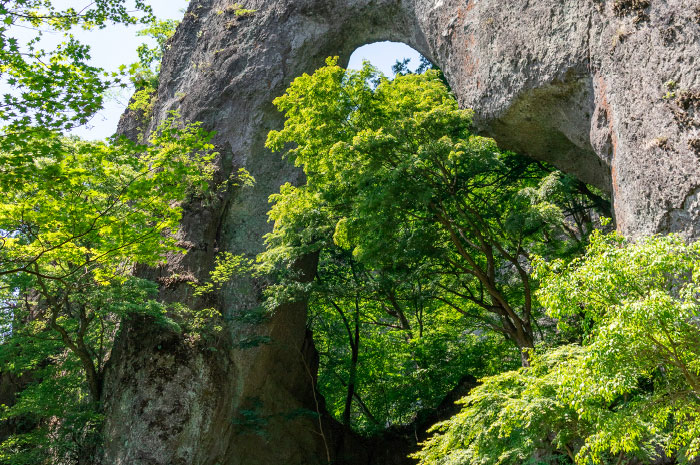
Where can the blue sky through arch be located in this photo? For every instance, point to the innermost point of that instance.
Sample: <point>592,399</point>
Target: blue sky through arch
<point>384,55</point>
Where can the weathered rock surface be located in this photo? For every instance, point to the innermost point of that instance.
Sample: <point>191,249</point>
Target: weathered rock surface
<point>578,83</point>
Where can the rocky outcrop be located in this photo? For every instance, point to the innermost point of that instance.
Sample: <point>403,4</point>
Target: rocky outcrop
<point>605,89</point>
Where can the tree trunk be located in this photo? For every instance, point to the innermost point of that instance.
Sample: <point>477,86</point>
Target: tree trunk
<point>526,344</point>
<point>355,346</point>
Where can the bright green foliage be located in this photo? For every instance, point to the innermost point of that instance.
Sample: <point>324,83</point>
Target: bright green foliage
<point>98,206</point>
<point>395,173</point>
<point>73,222</point>
<point>513,418</point>
<point>422,231</point>
<point>239,10</point>
<point>143,100</point>
<point>397,379</point>
<point>641,305</point>
<point>144,74</point>
<point>387,349</point>
<point>227,266</point>
<point>55,88</point>
<point>57,419</point>
<point>628,392</point>
<point>75,219</point>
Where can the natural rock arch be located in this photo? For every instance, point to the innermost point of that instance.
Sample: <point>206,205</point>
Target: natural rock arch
<point>568,82</point>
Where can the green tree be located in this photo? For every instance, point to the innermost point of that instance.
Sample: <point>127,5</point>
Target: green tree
<point>389,353</point>
<point>54,89</point>
<point>75,219</point>
<point>145,72</point>
<point>73,223</point>
<point>513,418</point>
<point>422,232</point>
<point>640,302</point>
<point>401,179</point>
<point>629,392</point>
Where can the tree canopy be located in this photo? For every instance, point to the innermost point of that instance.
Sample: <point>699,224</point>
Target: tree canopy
<point>76,218</point>
<point>395,176</point>
<point>73,224</point>
<point>54,89</point>
<point>424,234</point>
<point>628,392</point>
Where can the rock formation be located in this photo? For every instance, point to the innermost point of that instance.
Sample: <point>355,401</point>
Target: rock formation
<point>608,90</point>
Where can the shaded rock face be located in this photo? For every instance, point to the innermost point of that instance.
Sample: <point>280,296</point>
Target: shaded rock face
<point>578,83</point>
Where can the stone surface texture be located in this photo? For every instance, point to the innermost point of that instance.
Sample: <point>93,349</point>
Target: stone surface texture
<point>601,90</point>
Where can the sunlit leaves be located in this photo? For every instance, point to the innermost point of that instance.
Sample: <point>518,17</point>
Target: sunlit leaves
<point>92,204</point>
<point>56,89</point>
<point>629,392</point>
<point>75,219</point>
<point>144,74</point>
<point>508,418</point>
<point>395,175</point>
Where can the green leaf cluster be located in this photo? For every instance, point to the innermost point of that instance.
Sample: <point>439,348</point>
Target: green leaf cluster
<point>513,418</point>
<point>76,218</point>
<point>55,89</point>
<point>423,234</point>
<point>74,221</point>
<point>144,74</point>
<point>627,393</point>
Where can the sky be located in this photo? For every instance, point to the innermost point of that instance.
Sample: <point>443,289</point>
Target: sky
<point>110,48</point>
<point>116,45</point>
<point>383,55</point>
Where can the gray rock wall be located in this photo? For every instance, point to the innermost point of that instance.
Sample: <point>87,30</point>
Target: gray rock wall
<point>578,83</point>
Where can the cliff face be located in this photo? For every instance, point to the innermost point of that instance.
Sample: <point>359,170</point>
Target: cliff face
<point>605,89</point>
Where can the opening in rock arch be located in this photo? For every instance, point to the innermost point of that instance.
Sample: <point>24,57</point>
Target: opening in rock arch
<point>384,55</point>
